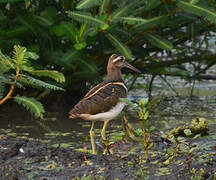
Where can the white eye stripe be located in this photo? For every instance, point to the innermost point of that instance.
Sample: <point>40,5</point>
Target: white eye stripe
<point>118,58</point>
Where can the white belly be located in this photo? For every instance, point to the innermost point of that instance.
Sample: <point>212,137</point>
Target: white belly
<point>105,116</point>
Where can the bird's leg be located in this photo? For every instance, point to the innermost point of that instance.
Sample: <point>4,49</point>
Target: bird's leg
<point>103,132</point>
<point>92,135</point>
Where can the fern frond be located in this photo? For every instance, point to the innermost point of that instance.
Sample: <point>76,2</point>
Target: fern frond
<point>19,55</point>
<point>31,104</point>
<point>83,4</point>
<point>88,19</point>
<point>210,15</point>
<point>159,41</point>
<point>57,76</point>
<point>38,83</point>
<point>103,6</point>
<point>6,63</point>
<point>124,50</point>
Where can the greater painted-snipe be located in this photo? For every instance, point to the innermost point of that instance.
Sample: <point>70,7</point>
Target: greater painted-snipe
<point>102,102</point>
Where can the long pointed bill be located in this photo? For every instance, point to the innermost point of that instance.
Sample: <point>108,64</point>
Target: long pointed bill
<point>127,65</point>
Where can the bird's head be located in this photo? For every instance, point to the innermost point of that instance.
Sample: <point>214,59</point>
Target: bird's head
<point>119,62</point>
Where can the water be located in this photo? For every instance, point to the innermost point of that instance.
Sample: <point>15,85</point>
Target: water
<point>177,108</point>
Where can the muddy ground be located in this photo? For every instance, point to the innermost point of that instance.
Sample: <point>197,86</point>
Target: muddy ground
<point>40,161</point>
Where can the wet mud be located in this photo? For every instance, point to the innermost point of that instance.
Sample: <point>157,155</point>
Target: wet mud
<point>25,159</point>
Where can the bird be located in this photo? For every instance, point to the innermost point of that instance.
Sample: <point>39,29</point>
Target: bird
<point>103,102</point>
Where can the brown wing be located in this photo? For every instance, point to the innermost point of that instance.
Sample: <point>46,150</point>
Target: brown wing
<point>100,100</point>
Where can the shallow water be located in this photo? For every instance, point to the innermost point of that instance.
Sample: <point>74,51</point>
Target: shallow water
<point>176,108</point>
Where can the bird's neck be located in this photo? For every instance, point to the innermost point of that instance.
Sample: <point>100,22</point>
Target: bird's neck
<point>114,74</point>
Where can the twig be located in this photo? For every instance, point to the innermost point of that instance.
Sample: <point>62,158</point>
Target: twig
<point>11,88</point>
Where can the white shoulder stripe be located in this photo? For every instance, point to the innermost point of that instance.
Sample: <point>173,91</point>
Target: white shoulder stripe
<point>110,83</point>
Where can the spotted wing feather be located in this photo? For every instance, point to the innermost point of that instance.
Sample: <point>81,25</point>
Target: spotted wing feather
<point>99,100</point>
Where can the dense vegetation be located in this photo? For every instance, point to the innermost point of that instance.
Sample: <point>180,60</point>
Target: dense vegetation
<point>75,38</point>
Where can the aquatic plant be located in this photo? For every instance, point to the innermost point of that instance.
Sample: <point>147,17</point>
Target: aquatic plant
<point>142,134</point>
<point>78,36</point>
<point>17,71</point>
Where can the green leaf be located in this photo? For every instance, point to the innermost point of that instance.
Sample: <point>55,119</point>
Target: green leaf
<point>70,57</point>
<point>199,11</point>
<point>128,102</point>
<point>31,104</point>
<point>151,4</point>
<point>139,132</point>
<point>147,23</point>
<point>80,46</point>
<point>103,6</point>
<point>187,132</point>
<point>44,21</point>
<point>32,55</point>
<point>88,19</point>
<point>153,102</point>
<point>87,4</point>
<point>152,129</point>
<point>16,31</point>
<point>66,29</point>
<point>57,76</point>
<point>150,145</point>
<point>194,1</point>
<point>159,41</point>
<point>131,20</point>
<point>126,9</point>
<point>9,1</point>
<point>123,49</point>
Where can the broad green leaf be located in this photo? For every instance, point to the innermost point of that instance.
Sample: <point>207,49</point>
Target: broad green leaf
<point>128,102</point>
<point>80,46</point>
<point>44,21</point>
<point>152,129</point>
<point>122,11</point>
<point>131,20</point>
<point>159,41</point>
<point>70,57</point>
<point>87,64</point>
<point>88,19</point>
<point>123,49</point>
<point>194,1</point>
<point>83,4</point>
<point>197,10</point>
<point>139,132</point>
<point>151,4</point>
<point>147,23</point>
<point>31,104</point>
<point>66,29</point>
<point>187,132</point>
<point>16,31</point>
